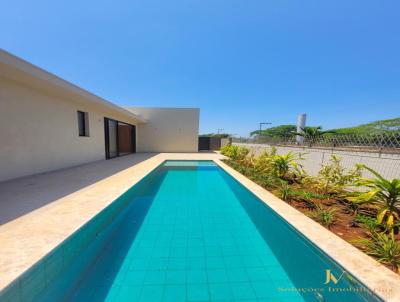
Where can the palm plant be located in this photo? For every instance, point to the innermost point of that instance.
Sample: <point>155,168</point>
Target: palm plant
<point>310,134</point>
<point>284,165</point>
<point>383,194</point>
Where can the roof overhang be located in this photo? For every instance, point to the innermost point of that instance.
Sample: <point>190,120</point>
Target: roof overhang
<point>19,70</point>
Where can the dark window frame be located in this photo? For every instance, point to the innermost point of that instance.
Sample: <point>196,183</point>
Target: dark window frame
<point>107,138</point>
<point>83,123</point>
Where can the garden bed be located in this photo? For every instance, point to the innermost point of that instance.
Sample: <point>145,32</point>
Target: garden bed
<point>332,199</point>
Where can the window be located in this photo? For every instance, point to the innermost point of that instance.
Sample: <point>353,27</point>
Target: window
<point>83,123</point>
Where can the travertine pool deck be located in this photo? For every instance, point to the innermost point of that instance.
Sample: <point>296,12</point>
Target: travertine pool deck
<point>38,212</point>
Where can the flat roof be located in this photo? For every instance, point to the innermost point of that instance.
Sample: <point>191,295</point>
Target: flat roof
<point>15,68</point>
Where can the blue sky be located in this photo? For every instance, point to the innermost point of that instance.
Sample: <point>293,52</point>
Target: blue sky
<point>241,62</point>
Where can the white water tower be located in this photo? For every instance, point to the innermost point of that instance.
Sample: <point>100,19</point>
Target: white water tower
<point>301,123</point>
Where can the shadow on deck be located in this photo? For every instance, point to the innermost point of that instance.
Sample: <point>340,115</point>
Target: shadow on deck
<point>23,195</point>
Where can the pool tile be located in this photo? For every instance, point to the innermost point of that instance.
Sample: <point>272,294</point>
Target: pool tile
<point>175,277</point>
<point>257,274</point>
<point>187,250</point>
<point>174,293</point>
<point>213,251</point>
<point>196,263</point>
<point>54,265</point>
<point>243,291</point>
<point>233,261</point>
<point>215,262</point>
<point>278,272</point>
<point>139,264</point>
<point>177,252</point>
<point>196,276</point>
<point>128,293</point>
<point>237,275</point>
<point>109,278</point>
<point>84,294</point>
<point>197,292</point>
<point>151,293</point>
<point>154,277</point>
<point>176,263</point>
<point>143,252</point>
<point>217,276</point>
<point>104,294</point>
<point>265,289</point>
<point>161,252</point>
<point>134,277</point>
<point>221,292</point>
<point>33,282</point>
<point>12,294</point>
<point>158,264</point>
<point>195,252</point>
<point>251,261</point>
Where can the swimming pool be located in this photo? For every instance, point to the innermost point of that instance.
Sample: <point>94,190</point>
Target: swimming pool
<point>189,232</point>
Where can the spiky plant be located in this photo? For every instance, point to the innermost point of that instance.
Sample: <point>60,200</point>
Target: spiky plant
<point>325,216</point>
<point>284,165</point>
<point>284,190</point>
<point>384,248</point>
<point>383,194</point>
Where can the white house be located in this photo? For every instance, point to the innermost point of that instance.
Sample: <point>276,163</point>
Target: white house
<point>47,123</point>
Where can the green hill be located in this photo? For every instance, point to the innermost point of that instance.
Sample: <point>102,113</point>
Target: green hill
<point>378,127</point>
<point>278,131</point>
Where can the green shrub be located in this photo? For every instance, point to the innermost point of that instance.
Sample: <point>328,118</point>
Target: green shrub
<point>267,181</point>
<point>286,166</point>
<point>308,196</point>
<point>383,194</point>
<point>326,217</point>
<point>384,248</point>
<point>284,190</point>
<point>235,152</point>
<point>333,178</point>
<point>367,222</point>
<point>263,163</point>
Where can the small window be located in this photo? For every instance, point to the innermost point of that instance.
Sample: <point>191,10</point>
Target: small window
<point>83,123</point>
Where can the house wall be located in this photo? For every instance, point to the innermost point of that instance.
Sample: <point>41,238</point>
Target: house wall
<point>167,129</point>
<point>39,130</point>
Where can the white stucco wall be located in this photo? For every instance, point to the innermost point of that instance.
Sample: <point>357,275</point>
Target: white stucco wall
<point>39,130</point>
<point>167,129</point>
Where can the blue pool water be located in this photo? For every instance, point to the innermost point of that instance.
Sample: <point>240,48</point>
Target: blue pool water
<point>190,232</point>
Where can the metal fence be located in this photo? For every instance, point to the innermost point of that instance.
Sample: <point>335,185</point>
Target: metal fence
<point>382,143</point>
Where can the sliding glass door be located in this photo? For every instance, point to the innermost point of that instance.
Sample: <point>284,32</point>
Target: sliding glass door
<point>120,138</point>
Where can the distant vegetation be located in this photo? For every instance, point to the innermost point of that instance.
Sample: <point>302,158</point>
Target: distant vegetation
<point>378,127</point>
<point>391,126</point>
<point>280,131</point>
